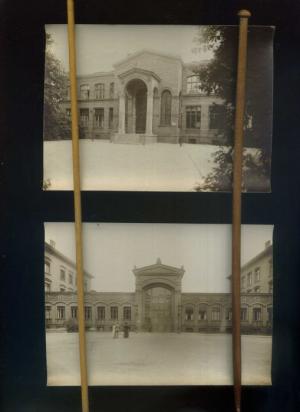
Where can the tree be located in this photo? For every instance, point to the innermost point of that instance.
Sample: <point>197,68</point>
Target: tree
<point>56,123</point>
<point>219,76</point>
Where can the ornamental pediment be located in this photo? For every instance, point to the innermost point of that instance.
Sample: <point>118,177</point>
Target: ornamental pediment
<point>159,269</point>
<point>139,72</point>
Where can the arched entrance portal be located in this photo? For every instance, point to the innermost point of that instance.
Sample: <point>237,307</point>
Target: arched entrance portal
<point>136,106</point>
<point>158,309</point>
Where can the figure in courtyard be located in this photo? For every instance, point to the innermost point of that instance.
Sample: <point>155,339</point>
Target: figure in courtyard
<point>126,330</point>
<point>115,330</point>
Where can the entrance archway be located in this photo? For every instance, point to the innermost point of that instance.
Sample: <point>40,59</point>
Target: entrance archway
<point>136,106</point>
<point>158,309</point>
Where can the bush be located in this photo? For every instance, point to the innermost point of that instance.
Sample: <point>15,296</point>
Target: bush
<point>72,325</point>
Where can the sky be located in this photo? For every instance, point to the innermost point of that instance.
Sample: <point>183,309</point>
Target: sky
<point>111,250</point>
<point>98,47</point>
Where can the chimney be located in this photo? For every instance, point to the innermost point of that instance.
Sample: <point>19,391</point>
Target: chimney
<point>52,243</point>
<point>267,244</point>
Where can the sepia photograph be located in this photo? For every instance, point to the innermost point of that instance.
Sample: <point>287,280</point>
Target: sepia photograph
<point>157,304</point>
<point>156,108</point>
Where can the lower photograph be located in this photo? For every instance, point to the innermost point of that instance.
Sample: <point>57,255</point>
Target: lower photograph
<point>157,304</point>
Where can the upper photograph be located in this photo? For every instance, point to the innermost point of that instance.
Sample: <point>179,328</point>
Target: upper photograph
<point>156,108</point>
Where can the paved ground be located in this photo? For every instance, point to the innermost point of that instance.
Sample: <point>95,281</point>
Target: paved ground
<point>109,166</point>
<point>157,359</point>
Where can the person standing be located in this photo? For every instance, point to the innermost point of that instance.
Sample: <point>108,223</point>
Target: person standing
<point>126,330</point>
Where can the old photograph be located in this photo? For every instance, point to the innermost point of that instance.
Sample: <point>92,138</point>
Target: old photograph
<point>158,304</point>
<point>156,107</point>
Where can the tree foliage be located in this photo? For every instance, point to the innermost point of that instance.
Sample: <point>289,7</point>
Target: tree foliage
<point>219,76</point>
<point>56,123</point>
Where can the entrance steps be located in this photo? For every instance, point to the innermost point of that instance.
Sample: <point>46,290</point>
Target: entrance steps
<point>133,138</point>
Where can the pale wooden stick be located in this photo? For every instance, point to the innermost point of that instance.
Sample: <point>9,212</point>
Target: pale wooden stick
<point>236,205</point>
<point>77,208</point>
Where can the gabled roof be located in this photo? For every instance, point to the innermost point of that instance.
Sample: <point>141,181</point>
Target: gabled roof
<point>148,51</point>
<point>53,251</point>
<point>158,266</point>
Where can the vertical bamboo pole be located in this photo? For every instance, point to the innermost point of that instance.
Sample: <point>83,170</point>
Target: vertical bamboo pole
<point>77,207</point>
<point>236,204</point>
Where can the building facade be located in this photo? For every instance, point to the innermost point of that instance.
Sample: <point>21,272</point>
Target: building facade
<point>148,97</point>
<point>60,272</point>
<point>159,305</point>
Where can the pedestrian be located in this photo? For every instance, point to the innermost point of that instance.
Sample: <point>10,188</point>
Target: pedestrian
<point>126,330</point>
<point>117,328</point>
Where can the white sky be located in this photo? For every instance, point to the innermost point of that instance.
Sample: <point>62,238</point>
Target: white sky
<point>98,47</point>
<point>112,249</point>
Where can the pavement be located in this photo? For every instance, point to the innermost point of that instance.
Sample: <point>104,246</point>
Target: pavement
<point>109,166</point>
<point>157,359</point>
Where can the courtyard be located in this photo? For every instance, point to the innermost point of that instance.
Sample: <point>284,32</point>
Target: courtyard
<point>157,359</point>
<point>150,167</point>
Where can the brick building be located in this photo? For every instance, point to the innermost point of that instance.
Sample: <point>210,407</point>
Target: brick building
<point>158,303</point>
<point>148,97</point>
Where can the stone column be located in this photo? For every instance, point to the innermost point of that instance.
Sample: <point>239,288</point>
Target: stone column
<point>122,113</point>
<point>133,114</point>
<point>149,112</point>
<point>139,308</point>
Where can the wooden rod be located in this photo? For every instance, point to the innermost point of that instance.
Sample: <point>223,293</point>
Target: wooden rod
<point>236,204</point>
<point>77,207</point>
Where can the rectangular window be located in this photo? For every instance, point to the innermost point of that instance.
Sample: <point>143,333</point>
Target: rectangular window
<point>189,313</point>
<point>68,112</point>
<point>229,314</point>
<point>111,118</point>
<point>127,313</point>
<point>87,313</point>
<point>249,279</point>
<point>114,313</point>
<point>48,312</point>
<point>243,282</point>
<point>193,117</point>
<point>70,278</point>
<point>99,117</point>
<point>257,274</point>
<point>99,91</point>
<point>101,313</point>
<point>84,117</point>
<point>85,285</point>
<point>202,315</point>
<point>62,275</point>
<point>47,267</point>
<point>61,312</point>
<point>243,314</point>
<point>74,312</point>
<point>215,314</point>
<point>84,92</point>
<point>47,286</point>
<point>257,314</point>
<point>112,89</point>
<point>217,116</point>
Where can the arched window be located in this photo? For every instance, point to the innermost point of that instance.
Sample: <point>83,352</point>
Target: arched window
<point>166,108</point>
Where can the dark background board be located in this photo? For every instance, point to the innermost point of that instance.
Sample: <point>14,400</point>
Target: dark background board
<point>24,207</point>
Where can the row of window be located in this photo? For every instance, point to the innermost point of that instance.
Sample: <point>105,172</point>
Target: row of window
<point>216,314</point>
<point>98,119</point>
<point>194,86</point>
<point>99,91</point>
<point>114,312</point>
<point>192,113</point>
